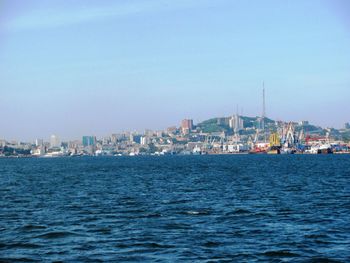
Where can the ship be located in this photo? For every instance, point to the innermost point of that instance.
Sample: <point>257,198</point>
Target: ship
<point>325,149</point>
<point>257,151</point>
<point>275,144</point>
<point>260,148</point>
<point>319,149</point>
<point>274,150</point>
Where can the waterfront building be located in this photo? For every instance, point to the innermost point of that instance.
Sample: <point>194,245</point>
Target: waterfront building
<point>38,151</point>
<point>89,141</point>
<point>55,141</point>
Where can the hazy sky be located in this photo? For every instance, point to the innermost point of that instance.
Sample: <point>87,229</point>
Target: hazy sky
<point>96,67</point>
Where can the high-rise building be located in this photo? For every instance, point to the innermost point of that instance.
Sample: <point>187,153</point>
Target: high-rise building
<point>55,141</point>
<point>159,134</point>
<point>106,140</point>
<point>303,123</point>
<point>144,140</point>
<point>223,121</point>
<point>236,123</point>
<point>39,142</point>
<point>149,133</point>
<point>186,125</point>
<point>135,138</point>
<point>89,141</point>
<point>2,143</point>
<point>347,126</point>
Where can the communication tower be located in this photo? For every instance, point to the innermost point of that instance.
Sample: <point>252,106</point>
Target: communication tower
<point>263,115</point>
<point>264,108</point>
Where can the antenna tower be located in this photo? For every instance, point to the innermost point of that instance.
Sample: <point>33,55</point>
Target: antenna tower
<point>264,108</point>
<point>263,112</point>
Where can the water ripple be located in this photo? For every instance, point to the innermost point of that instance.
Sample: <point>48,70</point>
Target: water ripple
<point>193,208</point>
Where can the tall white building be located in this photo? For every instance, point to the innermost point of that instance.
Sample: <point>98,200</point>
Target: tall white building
<point>55,141</point>
<point>236,123</point>
<point>144,140</point>
<point>39,142</point>
<point>2,143</point>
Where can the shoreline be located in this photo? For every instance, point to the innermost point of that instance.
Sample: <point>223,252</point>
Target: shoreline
<point>160,155</point>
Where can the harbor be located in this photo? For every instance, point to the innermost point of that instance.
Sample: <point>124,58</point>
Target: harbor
<point>231,135</point>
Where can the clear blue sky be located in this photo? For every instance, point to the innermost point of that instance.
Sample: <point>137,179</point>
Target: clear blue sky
<point>97,67</point>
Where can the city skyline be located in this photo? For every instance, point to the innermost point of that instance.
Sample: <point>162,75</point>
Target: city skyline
<point>234,121</point>
<point>96,68</point>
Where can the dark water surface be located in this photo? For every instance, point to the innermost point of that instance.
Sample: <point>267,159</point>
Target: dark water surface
<point>179,208</point>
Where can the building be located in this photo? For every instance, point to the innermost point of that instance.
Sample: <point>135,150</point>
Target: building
<point>159,134</point>
<point>223,121</point>
<point>186,126</point>
<point>236,123</point>
<point>106,140</point>
<point>2,143</point>
<point>260,123</point>
<point>89,141</point>
<point>55,141</point>
<point>347,126</point>
<point>135,138</point>
<point>303,123</point>
<point>144,140</point>
<point>171,130</point>
<point>39,142</point>
<point>149,133</point>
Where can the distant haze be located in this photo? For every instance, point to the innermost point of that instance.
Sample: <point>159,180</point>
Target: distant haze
<point>76,68</point>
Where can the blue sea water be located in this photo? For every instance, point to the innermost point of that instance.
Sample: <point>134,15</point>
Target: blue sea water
<point>237,208</point>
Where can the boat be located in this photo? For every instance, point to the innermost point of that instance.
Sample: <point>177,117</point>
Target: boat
<point>274,150</point>
<point>325,149</point>
<point>257,151</point>
<point>287,150</point>
<point>275,144</point>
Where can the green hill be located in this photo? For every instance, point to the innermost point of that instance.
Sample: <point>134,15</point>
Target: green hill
<point>213,125</point>
<point>222,124</point>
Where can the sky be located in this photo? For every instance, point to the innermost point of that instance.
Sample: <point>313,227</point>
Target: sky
<point>83,67</point>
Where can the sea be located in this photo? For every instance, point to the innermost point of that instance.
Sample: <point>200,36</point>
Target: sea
<point>209,208</point>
